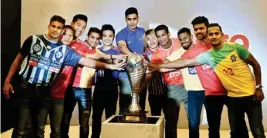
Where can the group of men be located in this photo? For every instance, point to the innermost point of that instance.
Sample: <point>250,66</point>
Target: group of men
<point>54,76</point>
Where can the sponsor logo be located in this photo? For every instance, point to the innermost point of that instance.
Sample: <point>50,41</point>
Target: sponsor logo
<point>205,67</point>
<point>174,74</point>
<point>43,66</point>
<point>53,69</point>
<point>192,70</point>
<point>33,63</point>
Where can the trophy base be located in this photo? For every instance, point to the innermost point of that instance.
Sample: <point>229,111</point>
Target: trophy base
<point>137,117</point>
<point>113,127</point>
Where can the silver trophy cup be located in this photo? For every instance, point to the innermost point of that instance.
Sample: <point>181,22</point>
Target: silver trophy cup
<point>136,72</point>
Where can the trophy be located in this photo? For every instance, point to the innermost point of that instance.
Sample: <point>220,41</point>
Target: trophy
<point>136,71</point>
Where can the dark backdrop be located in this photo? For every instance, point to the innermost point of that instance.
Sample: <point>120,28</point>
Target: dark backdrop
<point>10,45</point>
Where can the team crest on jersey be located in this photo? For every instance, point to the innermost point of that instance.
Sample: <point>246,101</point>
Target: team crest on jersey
<point>233,58</point>
<point>37,48</point>
<point>59,55</point>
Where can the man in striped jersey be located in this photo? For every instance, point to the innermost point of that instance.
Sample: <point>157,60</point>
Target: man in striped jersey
<point>43,58</point>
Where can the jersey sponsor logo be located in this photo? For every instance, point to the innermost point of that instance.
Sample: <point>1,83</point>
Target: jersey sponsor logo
<point>174,74</point>
<point>206,69</point>
<point>44,61</point>
<point>192,70</point>
<point>43,66</point>
<point>34,57</point>
<point>53,69</point>
<point>205,66</point>
<point>33,63</point>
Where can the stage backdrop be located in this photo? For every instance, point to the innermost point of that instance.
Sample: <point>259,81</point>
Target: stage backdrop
<point>242,21</point>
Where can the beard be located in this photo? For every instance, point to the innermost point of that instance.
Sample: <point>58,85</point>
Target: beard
<point>202,36</point>
<point>188,45</point>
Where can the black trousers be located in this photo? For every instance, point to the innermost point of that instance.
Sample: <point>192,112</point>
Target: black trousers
<point>156,104</point>
<point>237,107</point>
<point>30,99</point>
<point>214,107</point>
<point>104,98</point>
<point>54,108</point>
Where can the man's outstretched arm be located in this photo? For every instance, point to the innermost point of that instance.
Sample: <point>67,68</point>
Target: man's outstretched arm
<point>102,56</point>
<point>100,65</point>
<point>180,63</point>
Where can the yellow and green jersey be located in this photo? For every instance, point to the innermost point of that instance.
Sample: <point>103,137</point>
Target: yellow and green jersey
<point>230,66</point>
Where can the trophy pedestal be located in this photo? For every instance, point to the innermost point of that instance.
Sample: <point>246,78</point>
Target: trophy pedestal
<point>139,117</point>
<point>114,128</point>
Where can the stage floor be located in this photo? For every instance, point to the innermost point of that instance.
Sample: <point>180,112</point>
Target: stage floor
<point>74,133</point>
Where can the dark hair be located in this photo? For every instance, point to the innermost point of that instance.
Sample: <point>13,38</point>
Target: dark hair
<point>162,27</point>
<point>215,25</point>
<point>131,10</point>
<point>94,30</point>
<point>58,19</point>
<point>81,17</point>
<point>184,30</point>
<point>200,20</point>
<point>71,28</point>
<point>107,27</point>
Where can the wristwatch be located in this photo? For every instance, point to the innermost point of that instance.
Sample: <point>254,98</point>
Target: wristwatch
<point>259,86</point>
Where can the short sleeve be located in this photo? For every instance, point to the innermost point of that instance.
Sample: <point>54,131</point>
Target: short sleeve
<point>120,36</point>
<point>25,49</point>
<point>203,58</point>
<point>72,57</point>
<point>242,51</point>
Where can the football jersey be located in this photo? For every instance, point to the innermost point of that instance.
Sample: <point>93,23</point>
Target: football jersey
<point>160,55</point>
<point>229,65</point>
<point>44,59</point>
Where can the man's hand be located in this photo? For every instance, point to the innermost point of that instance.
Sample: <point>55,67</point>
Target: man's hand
<point>153,67</point>
<point>118,57</point>
<point>118,65</point>
<point>259,96</point>
<point>7,88</point>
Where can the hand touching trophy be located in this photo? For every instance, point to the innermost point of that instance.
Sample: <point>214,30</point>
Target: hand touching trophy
<point>136,71</point>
